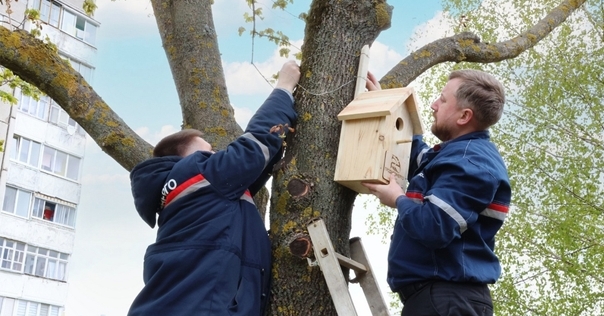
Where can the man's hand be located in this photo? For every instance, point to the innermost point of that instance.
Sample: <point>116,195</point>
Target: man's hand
<point>387,193</point>
<point>288,76</point>
<point>372,84</point>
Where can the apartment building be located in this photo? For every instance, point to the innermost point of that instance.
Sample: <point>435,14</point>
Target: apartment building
<point>41,170</point>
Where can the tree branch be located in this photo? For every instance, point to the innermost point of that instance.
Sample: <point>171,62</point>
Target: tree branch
<point>40,65</point>
<point>467,47</point>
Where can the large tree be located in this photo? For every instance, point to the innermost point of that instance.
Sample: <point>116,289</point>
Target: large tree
<point>303,188</point>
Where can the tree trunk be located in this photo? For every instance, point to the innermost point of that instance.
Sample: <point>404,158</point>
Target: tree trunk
<point>190,41</point>
<point>303,186</point>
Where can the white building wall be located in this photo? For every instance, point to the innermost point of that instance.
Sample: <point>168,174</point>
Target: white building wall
<point>47,234</point>
<point>6,132</point>
<point>55,136</point>
<point>32,231</point>
<point>71,46</point>
<point>35,180</point>
<point>31,288</point>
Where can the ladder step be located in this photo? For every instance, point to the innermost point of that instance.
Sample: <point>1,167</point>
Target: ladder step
<point>331,262</point>
<point>351,264</point>
<point>368,283</point>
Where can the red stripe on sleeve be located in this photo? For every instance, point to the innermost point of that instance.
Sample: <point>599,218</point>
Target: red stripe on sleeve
<point>182,187</point>
<point>498,207</point>
<point>415,195</point>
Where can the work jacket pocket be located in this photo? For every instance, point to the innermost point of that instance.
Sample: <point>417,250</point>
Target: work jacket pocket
<point>247,300</point>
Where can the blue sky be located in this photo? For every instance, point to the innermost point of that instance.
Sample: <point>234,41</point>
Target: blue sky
<point>132,76</point>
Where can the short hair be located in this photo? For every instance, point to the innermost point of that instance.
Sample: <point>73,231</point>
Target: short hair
<point>482,93</point>
<point>175,144</point>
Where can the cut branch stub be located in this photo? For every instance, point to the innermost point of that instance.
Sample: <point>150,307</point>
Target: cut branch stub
<point>298,188</point>
<point>301,246</point>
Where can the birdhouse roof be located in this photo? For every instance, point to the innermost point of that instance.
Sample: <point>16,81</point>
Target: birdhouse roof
<point>382,103</point>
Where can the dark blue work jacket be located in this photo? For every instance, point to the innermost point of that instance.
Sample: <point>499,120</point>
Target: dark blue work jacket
<point>457,199</point>
<point>212,255</point>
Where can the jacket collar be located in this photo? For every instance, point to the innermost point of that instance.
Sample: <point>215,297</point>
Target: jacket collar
<point>484,134</point>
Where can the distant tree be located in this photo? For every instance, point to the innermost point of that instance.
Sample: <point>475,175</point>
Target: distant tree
<point>303,188</point>
<point>551,137</point>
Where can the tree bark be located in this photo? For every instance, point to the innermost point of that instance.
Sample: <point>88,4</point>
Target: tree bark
<point>303,186</point>
<point>191,45</point>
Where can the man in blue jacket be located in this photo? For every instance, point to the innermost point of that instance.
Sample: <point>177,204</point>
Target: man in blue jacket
<point>441,254</point>
<point>212,255</point>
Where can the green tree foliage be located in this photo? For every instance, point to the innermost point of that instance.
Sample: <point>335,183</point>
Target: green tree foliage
<point>551,138</point>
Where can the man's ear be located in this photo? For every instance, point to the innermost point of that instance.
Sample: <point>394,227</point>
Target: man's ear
<point>466,117</point>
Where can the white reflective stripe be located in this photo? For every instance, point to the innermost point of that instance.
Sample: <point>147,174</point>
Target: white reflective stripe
<point>247,198</point>
<point>417,201</point>
<point>265,151</point>
<point>192,188</point>
<point>494,214</point>
<point>421,155</point>
<point>463,225</point>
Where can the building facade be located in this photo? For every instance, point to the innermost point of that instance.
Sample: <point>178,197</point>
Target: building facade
<point>41,170</point>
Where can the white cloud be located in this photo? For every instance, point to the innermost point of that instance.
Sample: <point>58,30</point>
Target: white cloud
<point>91,146</point>
<point>100,169</point>
<point>242,78</point>
<point>92,179</point>
<point>129,19</point>
<point>441,25</point>
<point>153,137</point>
<point>243,116</point>
<point>228,14</point>
<point>143,131</point>
<point>135,18</point>
<point>381,58</point>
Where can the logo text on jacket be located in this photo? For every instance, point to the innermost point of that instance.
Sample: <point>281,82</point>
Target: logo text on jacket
<point>168,187</point>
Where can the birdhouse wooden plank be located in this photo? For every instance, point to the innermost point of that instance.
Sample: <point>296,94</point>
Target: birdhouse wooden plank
<point>375,140</point>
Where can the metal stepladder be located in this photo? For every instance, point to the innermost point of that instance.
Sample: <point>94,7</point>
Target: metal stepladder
<point>330,263</point>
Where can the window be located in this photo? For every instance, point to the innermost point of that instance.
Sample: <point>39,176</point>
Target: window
<point>85,30</point>
<point>55,161</point>
<point>25,150</point>
<point>10,306</point>
<point>52,163</point>
<point>54,212</point>
<point>45,104</point>
<point>73,167</point>
<point>35,108</point>
<point>60,163</point>
<point>6,308</point>
<point>12,254</point>
<point>78,26</point>
<point>68,23</point>
<point>83,69</point>
<point>16,201</point>
<point>49,11</point>
<point>27,259</point>
<point>71,22</point>
<point>60,117</point>
<point>46,263</point>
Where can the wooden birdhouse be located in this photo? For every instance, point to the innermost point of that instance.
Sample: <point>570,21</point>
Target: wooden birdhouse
<point>375,140</point>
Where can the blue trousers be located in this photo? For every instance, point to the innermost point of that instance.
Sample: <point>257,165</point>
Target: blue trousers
<point>441,298</point>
